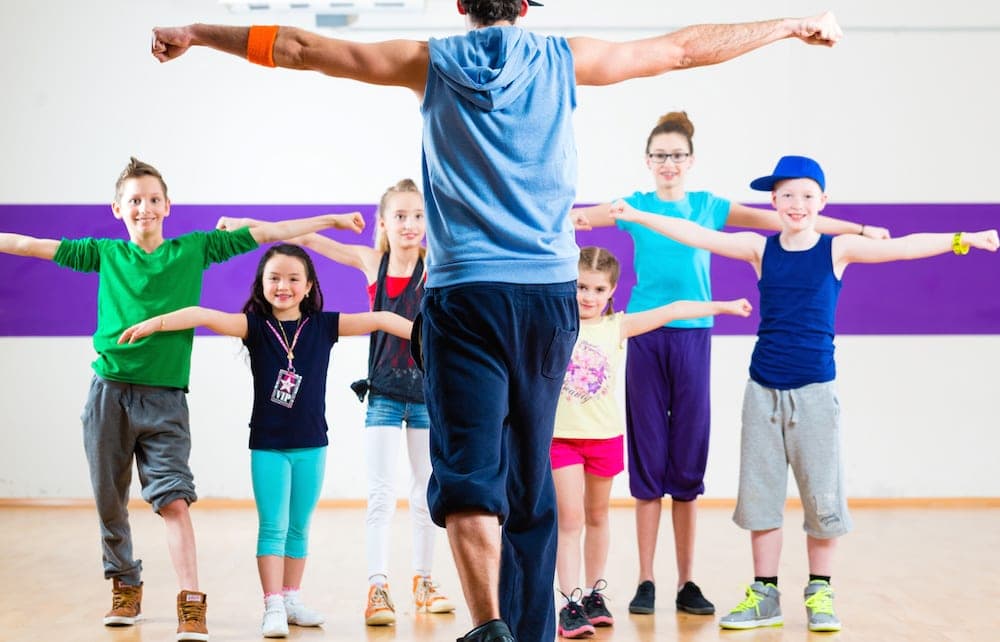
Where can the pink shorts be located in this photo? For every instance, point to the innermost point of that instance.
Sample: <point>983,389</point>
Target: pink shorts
<point>601,457</point>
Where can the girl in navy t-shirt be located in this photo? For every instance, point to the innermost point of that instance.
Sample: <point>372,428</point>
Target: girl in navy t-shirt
<point>288,337</point>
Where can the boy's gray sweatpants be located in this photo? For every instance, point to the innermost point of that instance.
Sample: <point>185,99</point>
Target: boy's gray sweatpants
<point>149,423</point>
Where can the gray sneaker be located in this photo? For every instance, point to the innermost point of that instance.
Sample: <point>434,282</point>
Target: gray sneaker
<point>760,608</point>
<point>819,607</point>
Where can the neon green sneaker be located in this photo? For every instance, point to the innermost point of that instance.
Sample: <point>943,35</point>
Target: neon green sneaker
<point>819,607</point>
<point>760,608</point>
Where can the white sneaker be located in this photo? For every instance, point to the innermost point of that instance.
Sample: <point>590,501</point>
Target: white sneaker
<point>299,614</point>
<point>275,622</point>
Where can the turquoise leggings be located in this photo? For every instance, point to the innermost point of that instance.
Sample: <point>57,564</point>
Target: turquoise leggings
<point>286,485</point>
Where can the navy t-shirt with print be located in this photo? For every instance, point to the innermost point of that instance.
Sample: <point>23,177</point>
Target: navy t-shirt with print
<point>274,425</point>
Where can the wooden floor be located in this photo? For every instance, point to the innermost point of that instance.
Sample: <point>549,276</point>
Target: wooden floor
<point>924,574</point>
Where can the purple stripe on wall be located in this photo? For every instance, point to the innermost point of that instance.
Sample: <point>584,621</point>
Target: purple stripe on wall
<point>941,295</point>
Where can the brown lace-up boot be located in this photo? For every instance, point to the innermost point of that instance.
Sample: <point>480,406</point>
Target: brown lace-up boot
<point>126,604</point>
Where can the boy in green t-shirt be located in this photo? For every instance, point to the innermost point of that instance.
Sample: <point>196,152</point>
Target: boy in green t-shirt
<point>137,408</point>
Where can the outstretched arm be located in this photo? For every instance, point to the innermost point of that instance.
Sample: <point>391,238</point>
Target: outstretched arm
<point>361,257</point>
<point>268,232</point>
<point>855,249</point>
<point>587,218</point>
<point>233,325</point>
<point>367,322</point>
<point>401,63</point>
<point>642,322</point>
<point>22,245</point>
<point>600,62</point>
<point>746,246</point>
<point>766,219</point>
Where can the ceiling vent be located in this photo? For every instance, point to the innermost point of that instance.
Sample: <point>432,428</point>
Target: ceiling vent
<point>330,14</point>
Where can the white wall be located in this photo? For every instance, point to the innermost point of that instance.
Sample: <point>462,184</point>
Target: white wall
<point>903,110</point>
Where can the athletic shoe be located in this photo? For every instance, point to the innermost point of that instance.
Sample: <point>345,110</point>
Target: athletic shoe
<point>275,621</point>
<point>298,613</point>
<point>126,604</point>
<point>593,606</point>
<point>492,631</point>
<point>191,609</point>
<point>573,622</point>
<point>380,610</point>
<point>644,601</point>
<point>819,607</point>
<point>690,600</point>
<point>760,608</point>
<point>426,596</point>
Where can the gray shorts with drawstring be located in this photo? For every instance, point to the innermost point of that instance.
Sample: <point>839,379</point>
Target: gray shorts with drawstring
<point>798,428</point>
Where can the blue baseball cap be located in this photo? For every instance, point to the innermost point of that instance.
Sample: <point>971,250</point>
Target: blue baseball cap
<point>791,167</point>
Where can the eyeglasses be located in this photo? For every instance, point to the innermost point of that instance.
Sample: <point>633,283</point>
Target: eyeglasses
<point>675,157</point>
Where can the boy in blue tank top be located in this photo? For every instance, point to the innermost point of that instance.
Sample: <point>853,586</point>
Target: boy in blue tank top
<point>791,413</point>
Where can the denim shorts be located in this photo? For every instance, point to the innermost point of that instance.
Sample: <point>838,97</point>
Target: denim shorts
<point>385,411</point>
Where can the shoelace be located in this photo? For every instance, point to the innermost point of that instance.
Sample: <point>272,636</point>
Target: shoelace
<point>427,591</point>
<point>595,592</point>
<point>123,599</point>
<point>821,601</point>
<point>192,611</point>
<point>380,598</point>
<point>573,602</point>
<point>752,601</point>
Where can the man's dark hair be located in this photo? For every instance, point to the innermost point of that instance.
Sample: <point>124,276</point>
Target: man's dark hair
<point>487,12</point>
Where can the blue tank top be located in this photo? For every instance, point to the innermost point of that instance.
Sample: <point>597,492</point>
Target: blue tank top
<point>798,301</point>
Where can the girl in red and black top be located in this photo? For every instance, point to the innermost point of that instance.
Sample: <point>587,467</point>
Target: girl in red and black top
<point>394,269</point>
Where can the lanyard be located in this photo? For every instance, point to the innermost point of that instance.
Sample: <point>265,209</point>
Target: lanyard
<point>283,340</point>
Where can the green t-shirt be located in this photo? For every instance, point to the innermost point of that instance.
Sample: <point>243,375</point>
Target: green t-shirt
<point>135,286</point>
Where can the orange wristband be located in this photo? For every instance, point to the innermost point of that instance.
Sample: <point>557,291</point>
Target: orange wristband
<point>260,44</point>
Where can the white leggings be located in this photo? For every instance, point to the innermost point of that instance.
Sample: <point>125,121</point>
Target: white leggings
<point>382,448</point>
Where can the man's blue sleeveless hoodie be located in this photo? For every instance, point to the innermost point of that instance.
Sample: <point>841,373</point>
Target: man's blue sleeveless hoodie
<point>499,158</point>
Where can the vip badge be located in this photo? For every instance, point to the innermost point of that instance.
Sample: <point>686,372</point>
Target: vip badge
<point>286,388</point>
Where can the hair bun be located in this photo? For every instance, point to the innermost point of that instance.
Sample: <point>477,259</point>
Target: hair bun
<point>680,120</point>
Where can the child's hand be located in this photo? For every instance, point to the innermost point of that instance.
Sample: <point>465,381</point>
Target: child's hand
<point>876,232</point>
<point>140,330</point>
<point>580,221</point>
<point>351,221</point>
<point>622,211</point>
<point>231,224</point>
<point>985,240</point>
<point>737,307</point>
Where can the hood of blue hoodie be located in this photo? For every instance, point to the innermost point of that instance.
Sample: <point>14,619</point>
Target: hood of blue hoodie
<point>490,68</point>
<point>499,158</point>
